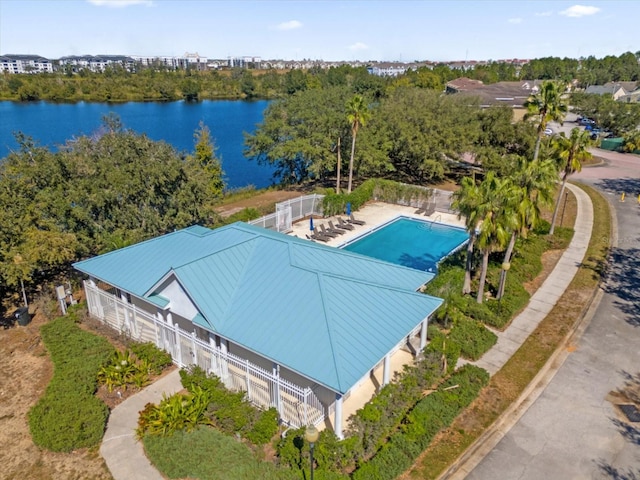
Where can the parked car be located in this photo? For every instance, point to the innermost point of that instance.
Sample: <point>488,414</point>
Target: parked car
<point>548,131</point>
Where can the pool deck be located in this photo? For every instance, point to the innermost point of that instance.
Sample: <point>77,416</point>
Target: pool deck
<point>373,214</point>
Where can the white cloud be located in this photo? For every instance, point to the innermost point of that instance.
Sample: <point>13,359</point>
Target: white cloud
<point>120,3</point>
<point>290,25</point>
<point>515,20</point>
<point>356,47</point>
<point>579,11</point>
<point>544,14</point>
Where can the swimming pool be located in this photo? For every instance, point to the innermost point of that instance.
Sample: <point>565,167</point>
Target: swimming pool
<point>410,242</point>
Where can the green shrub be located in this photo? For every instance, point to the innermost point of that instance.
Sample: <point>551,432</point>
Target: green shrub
<point>156,358</point>
<point>473,337</point>
<point>65,423</point>
<point>230,411</point>
<point>430,415</point>
<point>69,416</point>
<point>380,189</point>
<point>264,428</point>
<point>447,352</point>
<point>124,370</point>
<point>174,413</point>
<point>207,454</point>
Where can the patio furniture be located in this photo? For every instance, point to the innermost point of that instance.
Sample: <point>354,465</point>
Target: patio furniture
<point>338,230</point>
<point>353,220</point>
<point>422,209</point>
<point>326,232</point>
<point>344,225</point>
<point>317,236</point>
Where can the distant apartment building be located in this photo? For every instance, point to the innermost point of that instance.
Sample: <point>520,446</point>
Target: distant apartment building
<point>25,64</point>
<point>97,63</point>
<point>389,69</point>
<point>244,62</point>
<point>188,60</point>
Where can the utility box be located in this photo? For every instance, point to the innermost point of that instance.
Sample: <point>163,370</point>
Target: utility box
<point>22,315</point>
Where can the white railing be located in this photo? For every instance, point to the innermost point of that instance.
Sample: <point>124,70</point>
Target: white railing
<point>296,406</point>
<point>290,211</point>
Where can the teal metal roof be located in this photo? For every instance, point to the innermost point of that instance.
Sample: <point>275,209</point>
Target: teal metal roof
<point>325,313</point>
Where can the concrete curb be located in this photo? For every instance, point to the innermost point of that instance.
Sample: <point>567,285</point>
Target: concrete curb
<point>476,452</point>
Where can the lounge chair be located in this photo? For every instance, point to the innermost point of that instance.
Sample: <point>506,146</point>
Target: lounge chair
<point>354,221</point>
<point>421,210</point>
<point>344,225</point>
<point>328,233</point>
<point>333,228</point>
<point>316,236</point>
<point>430,209</point>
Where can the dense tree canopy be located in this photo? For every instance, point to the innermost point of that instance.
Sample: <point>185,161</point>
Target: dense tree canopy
<point>93,195</point>
<point>413,135</point>
<point>616,117</point>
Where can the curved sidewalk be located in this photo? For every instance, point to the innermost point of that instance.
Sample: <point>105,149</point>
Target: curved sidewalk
<point>124,454</point>
<point>541,303</point>
<point>545,298</point>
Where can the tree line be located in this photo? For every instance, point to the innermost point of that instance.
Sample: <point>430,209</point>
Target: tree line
<point>116,84</point>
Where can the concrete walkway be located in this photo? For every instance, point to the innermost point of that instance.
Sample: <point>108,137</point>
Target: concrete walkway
<point>545,298</point>
<point>120,449</point>
<point>125,456</point>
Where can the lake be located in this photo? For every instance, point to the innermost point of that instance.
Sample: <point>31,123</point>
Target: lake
<point>52,124</point>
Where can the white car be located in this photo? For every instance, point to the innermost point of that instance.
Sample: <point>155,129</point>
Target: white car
<point>548,131</point>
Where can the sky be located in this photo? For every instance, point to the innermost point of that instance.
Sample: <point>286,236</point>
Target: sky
<point>372,30</point>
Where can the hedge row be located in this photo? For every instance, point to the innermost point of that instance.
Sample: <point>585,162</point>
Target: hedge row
<point>433,413</point>
<point>69,416</point>
<point>383,190</point>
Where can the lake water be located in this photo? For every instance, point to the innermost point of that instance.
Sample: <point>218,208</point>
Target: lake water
<point>52,124</point>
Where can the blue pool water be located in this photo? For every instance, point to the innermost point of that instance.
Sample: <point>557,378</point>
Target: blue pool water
<point>411,243</point>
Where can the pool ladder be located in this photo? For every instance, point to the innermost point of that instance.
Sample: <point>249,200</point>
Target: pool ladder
<point>439,217</point>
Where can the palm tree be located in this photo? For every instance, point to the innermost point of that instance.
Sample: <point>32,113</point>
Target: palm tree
<point>466,202</point>
<point>532,186</point>
<point>571,152</point>
<point>548,105</point>
<point>493,233</point>
<point>358,114</point>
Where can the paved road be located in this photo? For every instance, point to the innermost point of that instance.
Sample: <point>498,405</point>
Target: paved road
<point>573,431</point>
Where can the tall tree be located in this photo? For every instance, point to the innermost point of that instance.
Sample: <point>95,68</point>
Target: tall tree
<point>546,105</point>
<point>206,161</point>
<point>493,232</point>
<point>570,152</point>
<point>533,186</point>
<point>467,201</point>
<point>357,114</point>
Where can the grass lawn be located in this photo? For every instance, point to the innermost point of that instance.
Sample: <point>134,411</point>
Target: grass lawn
<point>508,384</point>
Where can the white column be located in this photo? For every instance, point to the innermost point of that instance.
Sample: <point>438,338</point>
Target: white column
<point>158,325</point>
<point>386,370</point>
<point>224,370</point>
<point>276,385</point>
<point>194,351</point>
<point>123,297</point>
<point>178,346</point>
<point>423,334</point>
<point>337,417</point>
